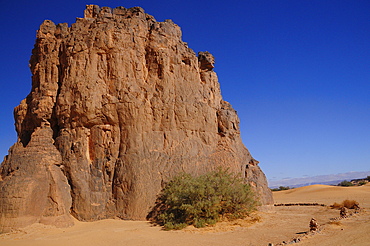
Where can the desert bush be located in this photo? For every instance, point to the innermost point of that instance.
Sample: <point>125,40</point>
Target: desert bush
<point>350,204</point>
<point>345,183</point>
<point>368,178</point>
<point>281,188</point>
<point>203,200</point>
<point>337,205</point>
<point>362,183</point>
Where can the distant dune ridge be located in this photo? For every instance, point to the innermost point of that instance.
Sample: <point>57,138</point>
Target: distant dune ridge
<point>331,179</point>
<point>119,105</point>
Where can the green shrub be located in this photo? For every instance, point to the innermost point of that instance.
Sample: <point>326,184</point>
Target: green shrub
<point>362,183</point>
<point>345,183</point>
<point>281,188</point>
<point>202,200</point>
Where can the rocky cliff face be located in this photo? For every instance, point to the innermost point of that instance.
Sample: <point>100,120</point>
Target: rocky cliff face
<point>119,105</point>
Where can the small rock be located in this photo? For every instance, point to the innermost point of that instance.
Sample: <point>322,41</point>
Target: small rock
<point>314,226</point>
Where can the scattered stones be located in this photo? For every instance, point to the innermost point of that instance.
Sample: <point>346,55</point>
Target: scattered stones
<point>343,212</point>
<point>316,228</point>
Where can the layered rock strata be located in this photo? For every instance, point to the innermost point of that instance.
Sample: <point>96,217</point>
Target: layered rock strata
<point>119,104</point>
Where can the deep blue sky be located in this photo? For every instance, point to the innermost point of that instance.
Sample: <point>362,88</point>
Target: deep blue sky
<point>297,72</point>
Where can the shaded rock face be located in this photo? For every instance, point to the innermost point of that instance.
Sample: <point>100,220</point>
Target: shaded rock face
<point>119,105</point>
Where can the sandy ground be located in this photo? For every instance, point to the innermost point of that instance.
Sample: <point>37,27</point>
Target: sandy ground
<point>282,224</point>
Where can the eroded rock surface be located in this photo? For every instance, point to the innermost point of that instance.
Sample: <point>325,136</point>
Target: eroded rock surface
<point>119,105</point>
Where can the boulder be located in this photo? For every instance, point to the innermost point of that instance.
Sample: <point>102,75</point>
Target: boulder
<point>119,105</point>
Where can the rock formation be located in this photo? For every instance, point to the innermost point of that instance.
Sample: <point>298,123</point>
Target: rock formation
<point>119,104</point>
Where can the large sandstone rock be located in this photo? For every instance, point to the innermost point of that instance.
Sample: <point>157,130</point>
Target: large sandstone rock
<point>119,105</point>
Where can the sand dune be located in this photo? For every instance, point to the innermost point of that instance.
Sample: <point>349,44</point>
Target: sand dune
<point>325,194</point>
<point>282,224</point>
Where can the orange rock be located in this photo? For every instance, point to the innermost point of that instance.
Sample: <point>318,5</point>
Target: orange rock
<point>119,105</point>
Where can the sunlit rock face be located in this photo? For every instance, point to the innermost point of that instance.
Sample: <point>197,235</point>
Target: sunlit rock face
<point>119,105</point>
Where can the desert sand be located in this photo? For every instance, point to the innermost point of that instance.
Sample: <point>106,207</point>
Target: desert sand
<point>283,223</point>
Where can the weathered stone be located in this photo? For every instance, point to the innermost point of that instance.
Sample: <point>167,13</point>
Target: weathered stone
<point>91,11</point>
<point>206,60</point>
<point>343,212</point>
<point>119,105</point>
<point>33,187</point>
<point>314,226</point>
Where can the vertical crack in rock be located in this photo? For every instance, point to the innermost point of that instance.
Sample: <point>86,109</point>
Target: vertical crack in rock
<point>119,105</point>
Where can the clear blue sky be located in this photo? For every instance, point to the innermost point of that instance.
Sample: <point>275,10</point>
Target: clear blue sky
<point>297,72</point>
